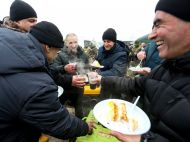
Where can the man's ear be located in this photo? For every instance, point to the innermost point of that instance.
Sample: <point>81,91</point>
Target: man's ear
<point>46,48</point>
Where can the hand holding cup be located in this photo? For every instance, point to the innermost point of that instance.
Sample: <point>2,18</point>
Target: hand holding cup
<point>92,77</point>
<point>78,81</point>
<point>71,68</point>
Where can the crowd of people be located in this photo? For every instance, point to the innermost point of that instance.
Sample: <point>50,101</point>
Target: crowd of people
<point>36,59</point>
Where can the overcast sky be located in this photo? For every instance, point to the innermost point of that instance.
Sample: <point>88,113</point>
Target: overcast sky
<point>90,18</point>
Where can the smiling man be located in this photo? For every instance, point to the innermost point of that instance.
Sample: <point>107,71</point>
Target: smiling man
<point>171,29</point>
<point>166,89</point>
<point>112,55</point>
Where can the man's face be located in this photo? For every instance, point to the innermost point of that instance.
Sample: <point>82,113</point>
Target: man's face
<point>26,24</point>
<point>52,53</point>
<point>108,44</point>
<point>72,44</point>
<point>171,34</point>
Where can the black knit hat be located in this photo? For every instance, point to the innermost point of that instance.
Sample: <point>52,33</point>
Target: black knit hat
<point>110,34</point>
<point>21,10</point>
<point>47,33</point>
<point>177,8</point>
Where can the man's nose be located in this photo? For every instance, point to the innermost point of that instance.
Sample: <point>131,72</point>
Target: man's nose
<point>152,35</point>
<point>74,45</point>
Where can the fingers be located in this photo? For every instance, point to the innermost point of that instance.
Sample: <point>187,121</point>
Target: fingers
<point>78,81</point>
<point>79,84</point>
<point>141,55</point>
<point>91,125</point>
<point>70,68</point>
<point>99,77</point>
<point>126,138</point>
<point>118,135</point>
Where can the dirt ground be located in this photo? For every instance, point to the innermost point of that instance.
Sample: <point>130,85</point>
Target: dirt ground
<point>52,139</point>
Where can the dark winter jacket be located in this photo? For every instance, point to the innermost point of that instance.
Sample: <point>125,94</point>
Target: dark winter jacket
<point>166,93</point>
<point>28,95</point>
<point>114,60</point>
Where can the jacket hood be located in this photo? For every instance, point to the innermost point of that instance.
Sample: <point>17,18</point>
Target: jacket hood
<point>19,52</point>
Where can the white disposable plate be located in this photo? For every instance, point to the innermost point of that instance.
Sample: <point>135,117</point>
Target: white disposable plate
<point>60,91</point>
<point>135,69</point>
<point>100,112</point>
<point>97,66</point>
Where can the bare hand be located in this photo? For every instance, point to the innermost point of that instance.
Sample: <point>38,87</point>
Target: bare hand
<point>96,77</point>
<point>78,81</point>
<point>126,138</point>
<point>141,55</point>
<point>98,80</point>
<point>70,68</point>
<point>91,125</point>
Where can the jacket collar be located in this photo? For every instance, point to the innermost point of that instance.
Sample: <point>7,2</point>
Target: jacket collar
<point>181,63</point>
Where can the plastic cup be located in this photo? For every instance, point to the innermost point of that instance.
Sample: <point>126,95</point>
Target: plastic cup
<point>92,77</point>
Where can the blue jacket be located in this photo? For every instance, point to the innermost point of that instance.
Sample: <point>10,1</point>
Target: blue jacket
<point>29,101</point>
<point>114,60</point>
<point>152,55</point>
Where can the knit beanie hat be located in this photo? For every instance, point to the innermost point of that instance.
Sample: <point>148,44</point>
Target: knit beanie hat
<point>177,8</point>
<point>110,34</point>
<point>21,10</point>
<point>47,33</point>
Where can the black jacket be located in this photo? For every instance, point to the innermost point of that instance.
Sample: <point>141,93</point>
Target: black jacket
<point>28,95</point>
<point>166,93</point>
<point>61,77</point>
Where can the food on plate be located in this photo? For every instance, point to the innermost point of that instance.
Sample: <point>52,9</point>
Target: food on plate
<point>138,122</point>
<point>96,64</point>
<point>133,124</point>
<point>117,111</point>
<point>123,112</point>
<point>113,111</point>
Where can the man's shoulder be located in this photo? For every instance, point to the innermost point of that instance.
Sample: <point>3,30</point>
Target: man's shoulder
<point>100,49</point>
<point>62,56</point>
<point>63,52</point>
<point>8,32</point>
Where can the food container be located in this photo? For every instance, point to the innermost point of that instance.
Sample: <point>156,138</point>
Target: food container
<point>91,92</point>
